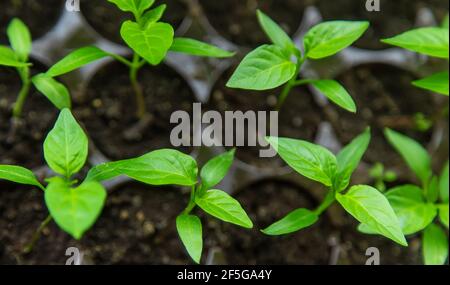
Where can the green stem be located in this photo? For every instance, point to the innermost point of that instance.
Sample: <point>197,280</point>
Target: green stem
<point>191,204</point>
<point>37,235</point>
<point>326,203</point>
<point>291,84</point>
<point>23,94</point>
<point>140,100</point>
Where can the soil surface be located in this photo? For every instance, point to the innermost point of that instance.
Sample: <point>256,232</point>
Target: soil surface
<point>106,18</point>
<point>39,16</point>
<point>236,20</point>
<point>108,109</point>
<point>21,141</point>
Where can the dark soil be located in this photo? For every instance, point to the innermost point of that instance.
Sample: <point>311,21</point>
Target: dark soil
<point>21,142</point>
<point>299,117</point>
<point>106,18</point>
<point>108,109</point>
<point>236,20</point>
<point>384,97</point>
<point>39,16</point>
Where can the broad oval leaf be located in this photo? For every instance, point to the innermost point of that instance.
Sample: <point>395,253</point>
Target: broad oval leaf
<point>75,210</point>
<point>370,207</point>
<point>152,43</point>
<point>432,41</point>
<point>312,161</point>
<point>275,33</point>
<point>75,60</point>
<point>266,67</point>
<point>412,152</point>
<point>292,222</point>
<point>413,212</point>
<point>136,7</point>
<point>443,183</point>
<point>219,204</point>
<point>435,245</point>
<point>436,83</point>
<point>9,58</point>
<point>329,38</point>
<point>19,38</point>
<point>19,175</point>
<point>443,214</point>
<point>189,229</point>
<point>66,146</point>
<point>197,48</point>
<point>56,92</point>
<point>336,93</point>
<point>216,169</point>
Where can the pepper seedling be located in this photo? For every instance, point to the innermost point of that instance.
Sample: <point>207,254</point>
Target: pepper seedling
<point>430,41</point>
<point>17,56</point>
<point>418,207</point>
<point>365,203</point>
<point>271,66</point>
<point>170,167</point>
<point>148,38</point>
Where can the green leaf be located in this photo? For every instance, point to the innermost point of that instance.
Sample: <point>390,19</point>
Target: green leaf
<point>190,231</point>
<point>294,221</point>
<point>137,7</point>
<point>9,58</point>
<point>56,92</point>
<point>275,33</point>
<point>413,212</point>
<point>224,207</point>
<point>370,207</point>
<point>75,60</point>
<point>75,210</point>
<point>413,153</point>
<point>348,159</point>
<point>266,67</point>
<point>430,41</point>
<point>105,171</point>
<point>436,83</point>
<point>197,48</point>
<point>19,175</point>
<point>310,160</point>
<point>20,39</point>
<point>154,15</point>
<point>329,38</point>
<point>443,214</point>
<point>216,169</point>
<point>445,23</point>
<point>432,190</point>
<point>66,146</point>
<point>443,184</point>
<point>435,246</point>
<point>151,43</point>
<point>336,93</point>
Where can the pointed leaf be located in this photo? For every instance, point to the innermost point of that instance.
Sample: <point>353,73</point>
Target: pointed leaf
<point>9,58</point>
<point>437,83</point>
<point>154,15</point>
<point>336,93</point>
<point>56,92</point>
<point>197,48</point>
<point>435,245</point>
<point>137,7</point>
<point>216,169</point>
<point>19,175</point>
<point>20,39</point>
<point>189,229</point>
<point>275,33</point>
<point>294,221</point>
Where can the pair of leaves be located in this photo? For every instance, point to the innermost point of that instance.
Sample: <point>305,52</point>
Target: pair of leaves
<point>137,7</point>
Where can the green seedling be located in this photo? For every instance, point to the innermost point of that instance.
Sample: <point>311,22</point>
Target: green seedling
<point>272,66</point>
<point>17,56</point>
<point>430,41</point>
<point>420,209</point>
<point>169,167</point>
<point>148,38</point>
<point>382,176</point>
<point>365,203</point>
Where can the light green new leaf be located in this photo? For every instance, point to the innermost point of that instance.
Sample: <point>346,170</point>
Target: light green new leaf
<point>197,48</point>
<point>75,60</point>
<point>336,93</point>
<point>105,171</point>
<point>430,41</point>
<point>189,229</point>
<point>56,92</point>
<point>443,184</point>
<point>75,210</point>
<point>151,43</point>
<point>292,222</point>
<point>19,38</point>
<point>154,15</point>
<point>413,212</point>
<point>275,33</point>
<point>435,245</point>
<point>219,204</point>
<point>437,83</point>
<point>266,67</point>
<point>66,146</point>
<point>329,38</point>
<point>19,175</point>
<point>9,58</point>
<point>312,161</point>
<point>348,159</point>
<point>137,7</point>
<point>412,152</point>
<point>216,169</point>
<point>445,23</point>
<point>443,214</point>
<point>370,207</point>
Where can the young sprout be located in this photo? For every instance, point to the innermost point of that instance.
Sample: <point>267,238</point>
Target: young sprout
<point>170,167</point>
<point>363,202</point>
<point>381,176</point>
<point>430,41</point>
<point>148,38</point>
<point>271,66</point>
<point>419,208</point>
<point>17,56</point>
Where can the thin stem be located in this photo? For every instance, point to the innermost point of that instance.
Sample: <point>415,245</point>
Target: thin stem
<point>291,84</point>
<point>23,94</point>
<point>191,204</point>
<point>140,100</point>
<point>37,235</point>
<point>122,60</point>
<point>326,203</point>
